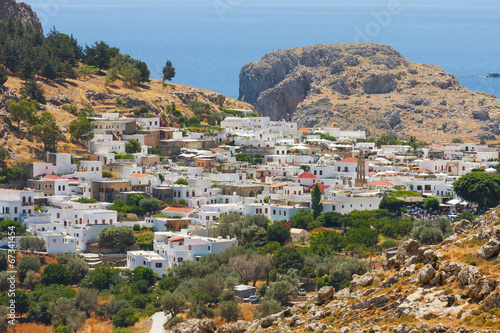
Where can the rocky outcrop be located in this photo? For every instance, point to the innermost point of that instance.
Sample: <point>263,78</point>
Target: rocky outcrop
<point>361,82</point>
<point>20,12</point>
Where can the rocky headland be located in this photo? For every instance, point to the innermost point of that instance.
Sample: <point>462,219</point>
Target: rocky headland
<point>367,86</point>
<point>19,11</point>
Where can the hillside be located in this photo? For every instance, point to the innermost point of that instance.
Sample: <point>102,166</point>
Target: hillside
<point>20,12</point>
<point>92,94</point>
<point>370,87</point>
<point>450,287</point>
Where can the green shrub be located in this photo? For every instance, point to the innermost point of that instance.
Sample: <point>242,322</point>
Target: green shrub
<point>388,243</point>
<point>172,322</point>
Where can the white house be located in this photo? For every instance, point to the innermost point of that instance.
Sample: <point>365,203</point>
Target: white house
<point>16,204</point>
<point>149,259</point>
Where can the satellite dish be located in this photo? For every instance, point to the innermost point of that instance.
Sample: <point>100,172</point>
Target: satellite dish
<point>213,170</point>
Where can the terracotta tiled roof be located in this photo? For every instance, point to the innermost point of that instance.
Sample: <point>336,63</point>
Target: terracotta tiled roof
<point>349,160</point>
<point>202,243</point>
<point>139,175</point>
<point>304,130</point>
<point>306,175</point>
<point>178,210</point>
<point>322,187</point>
<point>380,183</point>
<point>52,177</point>
<point>176,239</point>
<point>277,185</point>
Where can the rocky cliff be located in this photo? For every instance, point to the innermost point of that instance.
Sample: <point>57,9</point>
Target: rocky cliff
<point>450,287</point>
<point>20,12</point>
<point>370,87</point>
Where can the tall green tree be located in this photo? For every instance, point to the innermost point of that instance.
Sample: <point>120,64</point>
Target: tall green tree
<point>33,91</point>
<point>3,76</point>
<point>23,111</point>
<point>48,132</point>
<point>81,129</point>
<point>133,146</point>
<point>55,274</point>
<point>168,71</point>
<point>479,187</point>
<point>317,206</point>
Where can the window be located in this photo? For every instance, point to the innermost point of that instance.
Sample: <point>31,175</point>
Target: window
<point>338,169</point>
<point>158,265</point>
<point>321,172</point>
<point>54,240</point>
<point>179,259</point>
<point>274,211</point>
<point>315,172</point>
<point>284,213</point>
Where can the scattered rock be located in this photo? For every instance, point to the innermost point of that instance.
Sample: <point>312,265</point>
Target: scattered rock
<point>489,249</point>
<point>426,274</point>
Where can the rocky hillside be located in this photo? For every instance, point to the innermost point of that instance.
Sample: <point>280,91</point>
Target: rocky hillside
<point>451,287</point>
<point>19,11</point>
<point>370,87</point>
<point>92,94</point>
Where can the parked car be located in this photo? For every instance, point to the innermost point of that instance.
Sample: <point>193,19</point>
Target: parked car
<point>252,299</point>
<point>302,292</point>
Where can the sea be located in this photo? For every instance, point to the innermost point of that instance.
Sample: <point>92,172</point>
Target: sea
<point>209,41</point>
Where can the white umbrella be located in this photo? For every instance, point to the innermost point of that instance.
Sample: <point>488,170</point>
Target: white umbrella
<point>490,170</point>
<point>391,172</point>
<point>381,173</point>
<point>423,174</point>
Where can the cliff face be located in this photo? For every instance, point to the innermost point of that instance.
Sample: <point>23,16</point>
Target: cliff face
<point>20,12</point>
<point>361,86</point>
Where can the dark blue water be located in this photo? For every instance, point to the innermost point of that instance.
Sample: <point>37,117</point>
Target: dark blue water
<point>210,40</point>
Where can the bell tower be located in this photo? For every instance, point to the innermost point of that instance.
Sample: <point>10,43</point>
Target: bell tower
<point>361,169</point>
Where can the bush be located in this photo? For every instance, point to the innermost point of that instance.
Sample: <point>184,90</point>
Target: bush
<point>269,306</point>
<point>427,232</point>
<point>119,237</point>
<point>342,269</point>
<point>55,274</point>
<point>388,243</point>
<point>469,216</point>
<point>26,264</point>
<point>172,322</point>
<point>126,317</point>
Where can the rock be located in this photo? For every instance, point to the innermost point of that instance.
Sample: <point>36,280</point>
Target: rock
<point>490,302</point>
<point>467,275</point>
<point>392,118</point>
<point>195,326</point>
<point>351,61</point>
<point>361,281</point>
<point>489,249</point>
<point>482,288</point>
<point>336,67</point>
<point>345,329</point>
<point>326,293</point>
<point>426,274</point>
<point>340,86</point>
<point>20,11</point>
<point>267,321</point>
<point>239,327</point>
<point>461,227</point>
<point>379,84</point>
<point>481,114</point>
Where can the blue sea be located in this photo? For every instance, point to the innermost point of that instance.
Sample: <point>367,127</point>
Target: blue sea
<point>209,41</point>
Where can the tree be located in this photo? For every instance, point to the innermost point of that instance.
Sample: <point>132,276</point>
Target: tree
<point>23,111</point>
<point>31,243</point>
<point>75,320</point>
<point>168,72</point>
<point>48,132</point>
<point>55,274</point>
<point>169,283</point>
<point>181,181</point>
<point>22,302</point>
<point>76,266</point>
<point>133,146</point>
<point>126,317</point>
<point>130,75</point>
<point>317,206</point>
<point>81,129</point>
<point>143,69</point>
<point>142,273</point>
<point>34,91</point>
<point>26,264</point>
<point>326,243</point>
<point>268,307</point>
<point>3,76</point>
<point>250,267</point>
<point>86,300</point>
<point>286,258</point>
<point>60,310</point>
<point>479,187</point>
<point>3,261</point>
<point>278,232</point>
<point>32,279</point>
<point>228,307</point>
<point>86,71</point>
<point>99,55</point>
<point>302,219</point>
<point>173,302</point>
<point>119,237</point>
<point>151,205</point>
<point>426,232</point>
<point>280,291</point>
<point>431,203</point>
<point>103,277</point>
<point>4,154</point>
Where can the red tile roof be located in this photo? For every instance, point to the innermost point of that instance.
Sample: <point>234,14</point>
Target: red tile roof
<point>380,183</point>
<point>178,210</point>
<point>304,130</point>
<point>436,145</point>
<point>349,160</point>
<point>176,239</point>
<point>202,243</point>
<point>139,175</point>
<point>322,187</point>
<point>52,177</point>
<point>306,175</point>
<point>277,185</point>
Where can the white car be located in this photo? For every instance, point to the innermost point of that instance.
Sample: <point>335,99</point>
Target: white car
<point>302,292</point>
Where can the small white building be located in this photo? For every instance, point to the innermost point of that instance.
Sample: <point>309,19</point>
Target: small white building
<point>149,259</point>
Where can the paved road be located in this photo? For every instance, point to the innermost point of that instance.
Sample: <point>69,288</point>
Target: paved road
<point>159,320</point>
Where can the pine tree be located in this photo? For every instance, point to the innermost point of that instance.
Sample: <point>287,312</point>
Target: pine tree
<point>317,206</point>
<point>168,71</point>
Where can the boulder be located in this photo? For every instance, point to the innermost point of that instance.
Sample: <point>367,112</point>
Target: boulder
<point>379,84</point>
<point>490,302</point>
<point>392,118</point>
<point>481,114</point>
<point>195,326</point>
<point>482,288</point>
<point>461,227</point>
<point>267,321</point>
<point>467,275</point>
<point>426,274</point>
<point>239,327</point>
<point>326,293</point>
<point>489,249</point>
<point>361,281</point>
